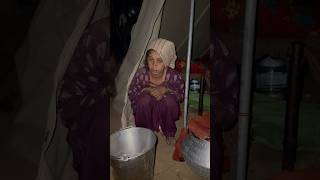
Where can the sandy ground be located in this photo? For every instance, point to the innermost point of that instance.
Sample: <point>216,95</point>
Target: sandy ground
<point>264,162</point>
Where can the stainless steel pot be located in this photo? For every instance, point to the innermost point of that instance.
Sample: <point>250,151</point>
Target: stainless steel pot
<point>132,153</point>
<point>196,153</point>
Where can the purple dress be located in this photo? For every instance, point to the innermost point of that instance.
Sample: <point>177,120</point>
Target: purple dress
<point>149,112</point>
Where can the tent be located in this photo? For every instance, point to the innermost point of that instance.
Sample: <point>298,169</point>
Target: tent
<point>44,55</point>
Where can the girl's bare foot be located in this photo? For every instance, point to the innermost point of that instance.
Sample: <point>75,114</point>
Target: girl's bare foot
<point>170,141</point>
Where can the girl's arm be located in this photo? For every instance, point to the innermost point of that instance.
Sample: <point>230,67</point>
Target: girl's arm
<point>138,85</point>
<point>176,85</point>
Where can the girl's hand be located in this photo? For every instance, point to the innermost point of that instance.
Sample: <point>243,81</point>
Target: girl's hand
<point>162,90</point>
<point>158,92</point>
<point>148,89</point>
<point>154,92</point>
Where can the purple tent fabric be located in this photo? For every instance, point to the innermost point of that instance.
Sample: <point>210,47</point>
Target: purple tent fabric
<point>225,80</point>
<point>224,91</point>
<point>83,101</point>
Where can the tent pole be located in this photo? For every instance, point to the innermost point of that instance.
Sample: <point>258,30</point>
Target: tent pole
<point>295,88</point>
<point>245,87</point>
<point>186,94</point>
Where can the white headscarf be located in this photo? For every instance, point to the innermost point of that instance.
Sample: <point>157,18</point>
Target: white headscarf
<point>166,50</point>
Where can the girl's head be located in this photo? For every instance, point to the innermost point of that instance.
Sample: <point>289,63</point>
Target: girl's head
<point>155,63</point>
<point>164,51</point>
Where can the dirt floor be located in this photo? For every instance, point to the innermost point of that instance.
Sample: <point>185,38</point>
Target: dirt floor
<point>264,163</point>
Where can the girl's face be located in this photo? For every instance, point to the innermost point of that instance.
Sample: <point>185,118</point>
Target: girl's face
<point>155,63</point>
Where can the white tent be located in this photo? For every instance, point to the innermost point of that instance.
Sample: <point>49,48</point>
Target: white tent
<point>42,59</point>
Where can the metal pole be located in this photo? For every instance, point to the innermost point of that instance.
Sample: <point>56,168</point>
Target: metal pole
<point>201,93</point>
<point>245,87</point>
<point>186,94</point>
<point>295,86</point>
<point>215,125</point>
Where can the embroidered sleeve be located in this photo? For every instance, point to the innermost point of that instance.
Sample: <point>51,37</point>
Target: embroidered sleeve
<point>137,85</point>
<point>176,85</point>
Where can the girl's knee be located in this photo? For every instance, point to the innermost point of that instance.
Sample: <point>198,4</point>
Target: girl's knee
<point>171,102</point>
<point>144,100</point>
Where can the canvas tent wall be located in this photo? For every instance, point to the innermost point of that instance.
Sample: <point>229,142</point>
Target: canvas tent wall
<point>175,22</point>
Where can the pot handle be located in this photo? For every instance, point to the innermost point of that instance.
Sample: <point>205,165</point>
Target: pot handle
<point>121,158</point>
<point>126,127</point>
